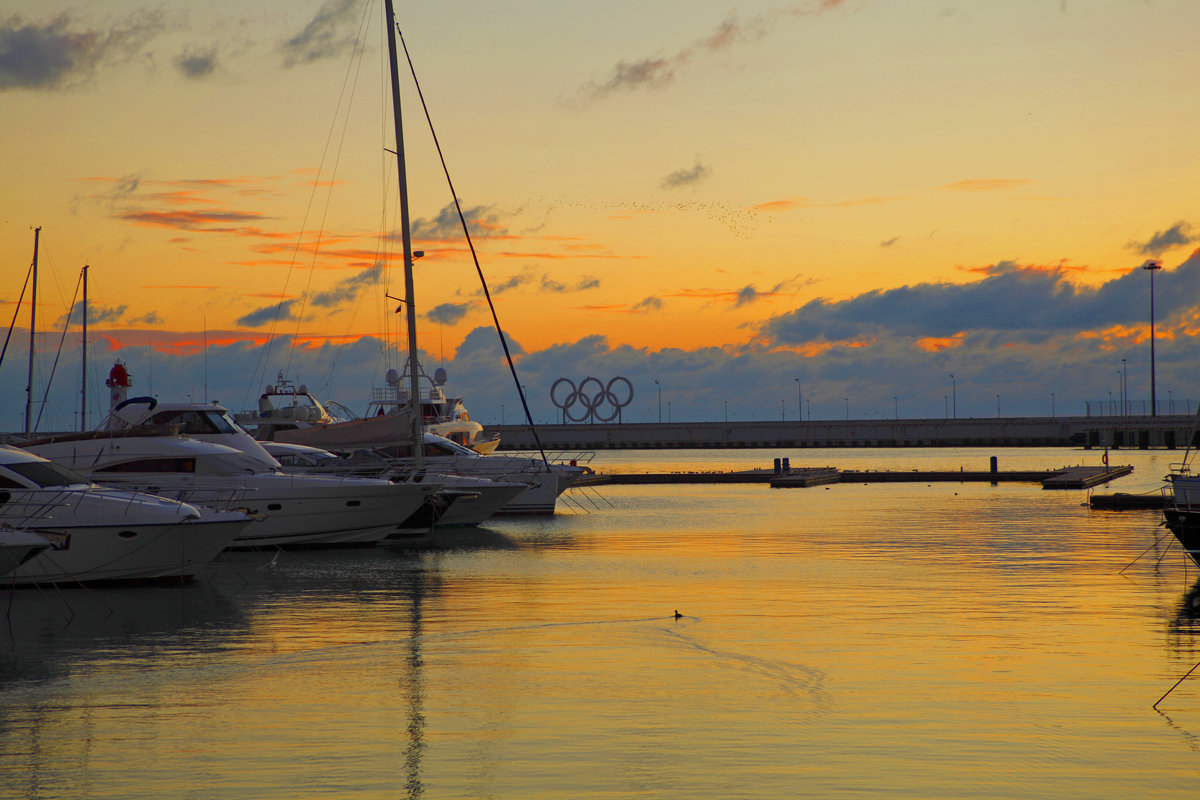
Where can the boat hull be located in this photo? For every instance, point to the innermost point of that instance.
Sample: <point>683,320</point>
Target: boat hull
<point>88,554</point>
<point>17,547</point>
<point>305,511</point>
<point>1185,524</point>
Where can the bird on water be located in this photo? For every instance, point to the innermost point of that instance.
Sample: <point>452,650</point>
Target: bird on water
<point>678,615</point>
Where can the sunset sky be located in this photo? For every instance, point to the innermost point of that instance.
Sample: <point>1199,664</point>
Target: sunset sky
<point>845,199</point>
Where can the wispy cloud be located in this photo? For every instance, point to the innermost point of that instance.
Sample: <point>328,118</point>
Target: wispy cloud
<point>793,203</point>
<point>482,221</point>
<point>196,63</point>
<point>348,288</point>
<point>328,34</point>
<point>988,184</point>
<point>54,55</point>
<point>657,72</point>
<point>686,177</point>
<point>96,314</point>
<point>262,316</point>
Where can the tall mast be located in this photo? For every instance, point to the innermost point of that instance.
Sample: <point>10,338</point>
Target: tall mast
<point>83,362</point>
<point>32,326</point>
<point>406,239</point>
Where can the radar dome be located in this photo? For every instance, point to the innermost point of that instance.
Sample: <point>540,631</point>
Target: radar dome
<point>392,377</point>
<point>440,376</point>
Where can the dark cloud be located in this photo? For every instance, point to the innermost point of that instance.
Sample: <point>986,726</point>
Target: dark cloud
<point>96,315</point>
<point>1177,235</point>
<point>889,242</point>
<point>266,314</point>
<point>52,55</point>
<point>324,36</point>
<point>583,284</point>
<point>448,313</point>
<point>649,304</point>
<point>686,177</point>
<point>348,288</point>
<point>657,72</point>
<point>196,64</point>
<point>482,221</point>
<point>745,296</point>
<point>1010,299</point>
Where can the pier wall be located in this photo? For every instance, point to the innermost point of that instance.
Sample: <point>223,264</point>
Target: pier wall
<point>1161,432</point>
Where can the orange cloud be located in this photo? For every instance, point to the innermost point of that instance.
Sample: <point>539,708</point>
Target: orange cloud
<point>988,184</point>
<point>790,203</point>
<point>935,344</point>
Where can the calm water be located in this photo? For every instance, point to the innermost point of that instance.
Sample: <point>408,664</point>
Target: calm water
<point>893,641</point>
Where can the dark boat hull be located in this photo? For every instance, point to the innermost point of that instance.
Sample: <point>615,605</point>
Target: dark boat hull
<point>1185,524</point>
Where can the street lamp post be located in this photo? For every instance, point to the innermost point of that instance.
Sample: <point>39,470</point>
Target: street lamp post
<point>1052,405</point>
<point>997,406</point>
<point>799,402</point>
<point>659,385</point>
<point>727,411</point>
<point>1124,389</point>
<point>896,406</point>
<point>847,399</point>
<point>1152,266</point>
<point>953,397</point>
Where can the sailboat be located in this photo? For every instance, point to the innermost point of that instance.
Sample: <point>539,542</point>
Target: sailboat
<point>397,418</point>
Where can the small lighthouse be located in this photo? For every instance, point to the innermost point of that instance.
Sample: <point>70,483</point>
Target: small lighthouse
<point>118,384</point>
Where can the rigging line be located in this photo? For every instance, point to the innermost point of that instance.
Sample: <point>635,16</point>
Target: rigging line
<point>58,354</point>
<point>474,256</point>
<point>265,353</point>
<point>329,195</point>
<point>16,311</point>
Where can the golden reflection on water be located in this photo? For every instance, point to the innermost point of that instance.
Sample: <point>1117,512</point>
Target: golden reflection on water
<point>904,640</point>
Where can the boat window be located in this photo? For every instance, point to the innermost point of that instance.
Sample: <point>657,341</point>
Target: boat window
<point>191,421</point>
<point>46,474</point>
<point>8,483</point>
<point>153,465</point>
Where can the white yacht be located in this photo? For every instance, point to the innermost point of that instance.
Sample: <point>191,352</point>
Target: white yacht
<point>543,481</point>
<point>470,500</point>
<point>101,534</point>
<point>290,413</point>
<point>294,510</point>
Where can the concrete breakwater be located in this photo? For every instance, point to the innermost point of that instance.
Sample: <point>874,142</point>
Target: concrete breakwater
<point>1079,477</point>
<point>1137,432</point>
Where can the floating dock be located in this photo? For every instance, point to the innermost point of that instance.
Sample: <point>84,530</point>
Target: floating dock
<point>1123,501</point>
<point>1061,478</point>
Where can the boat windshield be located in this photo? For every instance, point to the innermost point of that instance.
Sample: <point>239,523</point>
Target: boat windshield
<point>195,421</point>
<point>46,474</point>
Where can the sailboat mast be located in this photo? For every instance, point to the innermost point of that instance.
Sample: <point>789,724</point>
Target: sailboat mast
<point>414,387</point>
<point>32,326</point>
<point>83,361</point>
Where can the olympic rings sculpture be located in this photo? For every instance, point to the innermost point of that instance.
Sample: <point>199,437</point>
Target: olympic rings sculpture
<point>591,401</point>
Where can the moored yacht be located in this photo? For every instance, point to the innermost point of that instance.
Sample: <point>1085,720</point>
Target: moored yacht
<point>290,413</point>
<point>543,482</point>
<point>100,534</point>
<point>1181,514</point>
<point>470,500</point>
<point>294,510</point>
